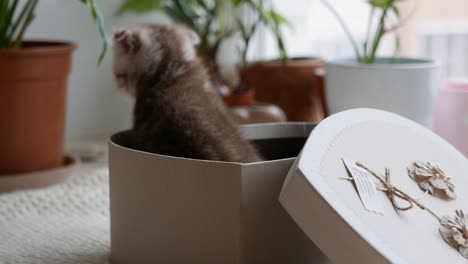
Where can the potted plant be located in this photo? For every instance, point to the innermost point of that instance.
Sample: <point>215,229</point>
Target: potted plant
<point>406,86</point>
<point>252,14</point>
<point>294,84</point>
<point>33,82</point>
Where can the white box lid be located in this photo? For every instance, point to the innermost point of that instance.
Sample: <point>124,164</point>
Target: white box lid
<point>329,210</point>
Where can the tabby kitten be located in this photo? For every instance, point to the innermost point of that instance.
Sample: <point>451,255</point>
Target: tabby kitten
<point>176,110</point>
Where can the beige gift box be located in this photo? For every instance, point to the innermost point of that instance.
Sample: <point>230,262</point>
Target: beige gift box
<point>175,210</point>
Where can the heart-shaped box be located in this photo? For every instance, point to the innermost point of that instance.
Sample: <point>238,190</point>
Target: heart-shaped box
<point>328,209</point>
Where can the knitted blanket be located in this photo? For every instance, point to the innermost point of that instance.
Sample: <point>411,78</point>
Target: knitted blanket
<point>65,223</point>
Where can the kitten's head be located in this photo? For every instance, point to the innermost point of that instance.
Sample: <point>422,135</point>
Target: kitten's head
<point>139,51</point>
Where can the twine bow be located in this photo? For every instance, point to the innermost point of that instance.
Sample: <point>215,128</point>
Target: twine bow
<point>454,230</point>
<point>392,192</point>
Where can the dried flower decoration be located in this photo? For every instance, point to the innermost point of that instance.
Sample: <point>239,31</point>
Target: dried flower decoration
<point>432,179</point>
<point>454,230</point>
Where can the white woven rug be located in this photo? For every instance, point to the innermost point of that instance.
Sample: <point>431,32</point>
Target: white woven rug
<point>66,223</point>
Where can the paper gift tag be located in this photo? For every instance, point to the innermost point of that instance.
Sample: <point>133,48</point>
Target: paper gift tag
<point>365,186</point>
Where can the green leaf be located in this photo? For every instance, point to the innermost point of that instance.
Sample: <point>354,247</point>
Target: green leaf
<point>11,12</point>
<point>236,3</point>
<point>140,6</point>
<point>380,3</point>
<point>3,12</point>
<point>278,18</point>
<point>19,39</point>
<point>29,11</point>
<point>346,29</point>
<point>177,11</point>
<point>202,4</point>
<point>4,25</point>
<point>173,14</point>
<point>273,20</point>
<point>89,4</point>
<point>23,19</point>
<point>395,10</point>
<point>187,9</point>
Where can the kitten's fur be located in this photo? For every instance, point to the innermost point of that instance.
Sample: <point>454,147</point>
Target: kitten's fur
<point>176,112</point>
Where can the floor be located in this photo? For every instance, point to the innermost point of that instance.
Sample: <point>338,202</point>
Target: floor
<point>64,223</point>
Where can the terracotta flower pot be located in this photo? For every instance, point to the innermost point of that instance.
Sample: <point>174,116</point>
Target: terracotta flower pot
<point>296,86</point>
<point>33,82</point>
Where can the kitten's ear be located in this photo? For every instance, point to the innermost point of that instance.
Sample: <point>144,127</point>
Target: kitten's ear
<point>129,41</point>
<point>189,34</point>
<point>193,36</point>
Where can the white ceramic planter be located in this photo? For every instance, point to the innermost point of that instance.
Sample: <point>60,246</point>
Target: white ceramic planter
<point>407,87</point>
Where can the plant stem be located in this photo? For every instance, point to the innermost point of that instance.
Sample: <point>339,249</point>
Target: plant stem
<point>206,31</point>
<point>29,18</point>
<point>273,24</point>
<point>369,27</point>
<point>11,13</point>
<point>99,17</point>
<point>281,46</point>
<point>20,21</point>
<point>370,58</point>
<point>245,38</point>
<point>397,45</point>
<point>177,13</point>
<point>4,24</point>
<point>405,19</point>
<point>345,28</point>
<point>247,41</point>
